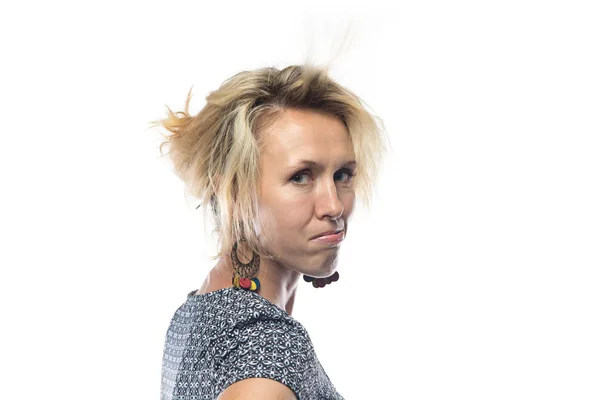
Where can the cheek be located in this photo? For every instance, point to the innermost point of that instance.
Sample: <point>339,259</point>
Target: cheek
<point>347,200</point>
<point>285,213</point>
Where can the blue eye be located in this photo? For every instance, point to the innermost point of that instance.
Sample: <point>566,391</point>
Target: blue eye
<point>338,176</point>
<point>346,171</point>
<point>297,175</point>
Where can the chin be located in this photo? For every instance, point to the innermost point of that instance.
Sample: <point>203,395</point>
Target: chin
<point>324,269</point>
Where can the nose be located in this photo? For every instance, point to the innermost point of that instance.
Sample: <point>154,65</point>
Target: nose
<point>328,203</point>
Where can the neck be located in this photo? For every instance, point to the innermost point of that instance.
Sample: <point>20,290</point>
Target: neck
<point>277,283</point>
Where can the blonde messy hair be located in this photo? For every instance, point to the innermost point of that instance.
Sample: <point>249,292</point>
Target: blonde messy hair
<point>216,152</point>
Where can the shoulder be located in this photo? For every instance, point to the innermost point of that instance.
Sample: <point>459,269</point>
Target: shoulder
<point>257,389</point>
<point>263,350</point>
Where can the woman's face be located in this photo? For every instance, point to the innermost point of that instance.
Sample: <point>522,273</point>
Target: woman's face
<point>306,188</point>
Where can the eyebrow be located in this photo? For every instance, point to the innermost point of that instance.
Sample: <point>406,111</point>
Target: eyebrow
<point>310,163</point>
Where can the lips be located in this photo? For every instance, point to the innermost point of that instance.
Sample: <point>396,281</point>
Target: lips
<point>332,239</point>
<point>327,233</point>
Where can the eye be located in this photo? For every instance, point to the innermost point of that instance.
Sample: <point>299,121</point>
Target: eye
<point>338,177</point>
<point>300,175</point>
<point>347,172</point>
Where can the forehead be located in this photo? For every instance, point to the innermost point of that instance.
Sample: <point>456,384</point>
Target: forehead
<point>302,134</point>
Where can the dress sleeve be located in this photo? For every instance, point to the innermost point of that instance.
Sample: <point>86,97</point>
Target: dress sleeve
<point>267,347</point>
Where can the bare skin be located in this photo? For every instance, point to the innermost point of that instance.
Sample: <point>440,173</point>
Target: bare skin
<point>221,274</point>
<point>297,202</point>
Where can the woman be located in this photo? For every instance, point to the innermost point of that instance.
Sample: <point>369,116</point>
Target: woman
<point>278,156</point>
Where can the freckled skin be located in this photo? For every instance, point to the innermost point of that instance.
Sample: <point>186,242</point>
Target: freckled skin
<point>297,203</point>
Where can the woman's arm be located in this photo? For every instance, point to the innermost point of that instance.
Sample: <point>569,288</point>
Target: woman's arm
<point>257,389</point>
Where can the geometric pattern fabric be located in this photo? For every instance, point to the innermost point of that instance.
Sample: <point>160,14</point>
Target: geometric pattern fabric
<point>221,337</point>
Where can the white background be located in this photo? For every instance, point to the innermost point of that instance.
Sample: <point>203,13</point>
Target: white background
<point>474,275</point>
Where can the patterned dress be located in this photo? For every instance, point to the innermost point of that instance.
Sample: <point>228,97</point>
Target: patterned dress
<point>218,338</point>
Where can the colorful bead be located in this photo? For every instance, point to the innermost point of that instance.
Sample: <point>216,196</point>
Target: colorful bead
<point>308,278</point>
<point>252,285</point>
<point>257,283</point>
<point>236,281</point>
<point>335,276</point>
<point>245,283</point>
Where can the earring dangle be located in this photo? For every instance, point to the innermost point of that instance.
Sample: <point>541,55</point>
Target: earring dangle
<point>243,276</point>
<point>322,282</point>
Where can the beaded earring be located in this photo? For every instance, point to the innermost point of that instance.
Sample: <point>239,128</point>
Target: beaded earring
<point>243,276</point>
<point>321,282</point>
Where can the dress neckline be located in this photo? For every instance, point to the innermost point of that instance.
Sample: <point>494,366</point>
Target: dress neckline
<point>231,289</point>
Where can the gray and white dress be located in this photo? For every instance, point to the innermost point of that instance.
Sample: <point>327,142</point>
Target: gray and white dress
<point>218,338</point>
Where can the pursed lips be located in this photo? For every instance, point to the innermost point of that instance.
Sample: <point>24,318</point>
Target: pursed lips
<point>327,233</point>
